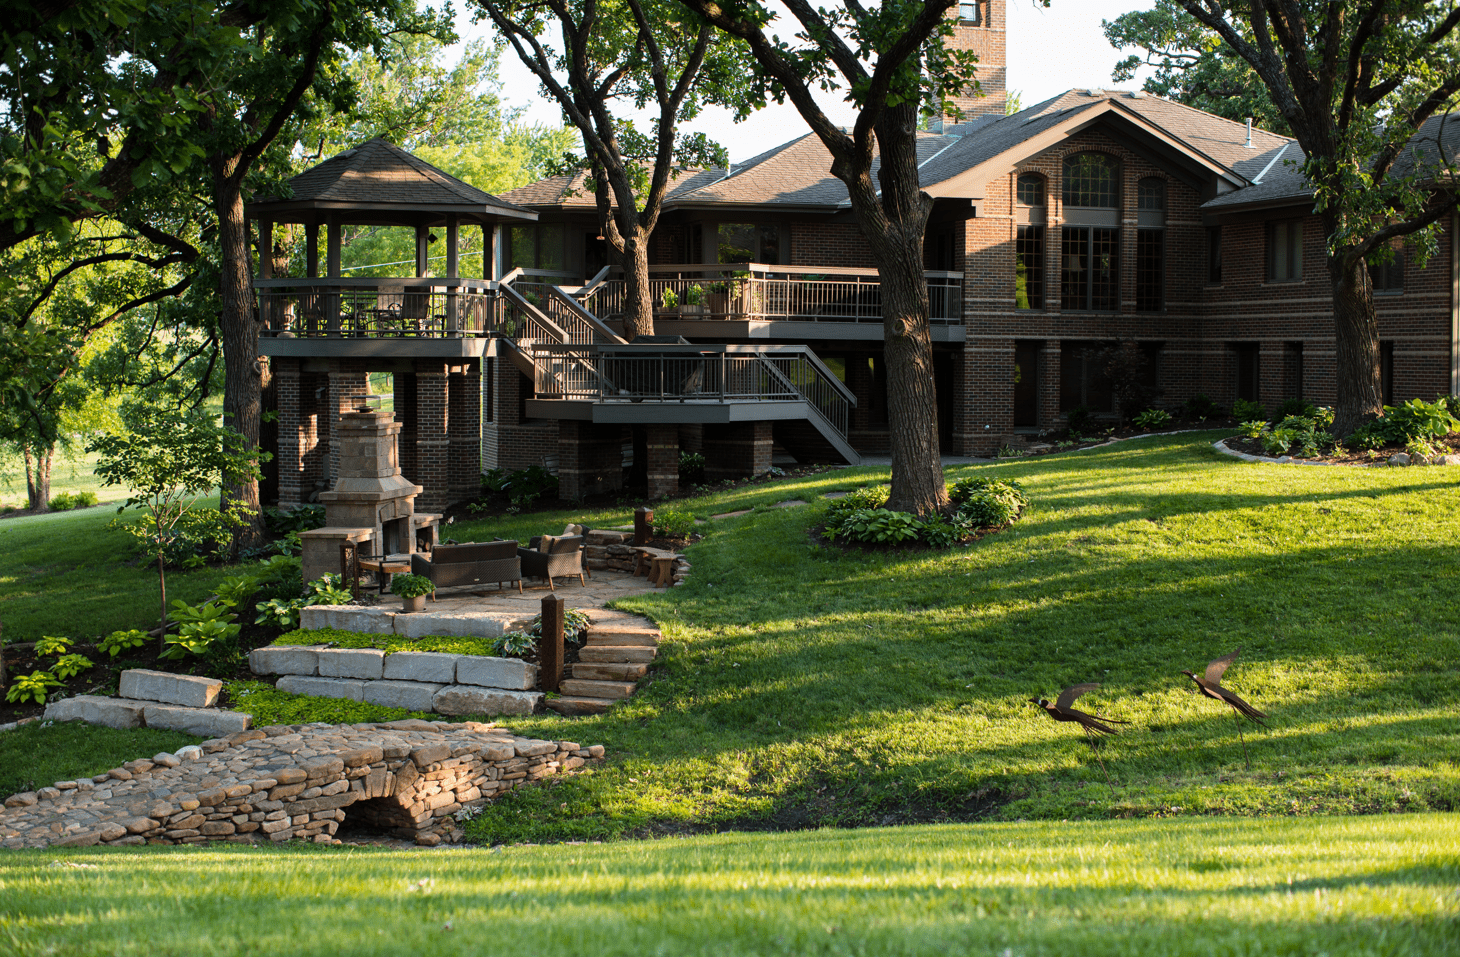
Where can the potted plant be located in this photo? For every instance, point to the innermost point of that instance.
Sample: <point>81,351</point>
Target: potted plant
<point>694,301</point>
<point>669,301</point>
<point>412,590</point>
<point>718,301</point>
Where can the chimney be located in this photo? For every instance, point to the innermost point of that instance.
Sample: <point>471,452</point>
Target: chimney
<point>980,28</point>
<point>1249,132</point>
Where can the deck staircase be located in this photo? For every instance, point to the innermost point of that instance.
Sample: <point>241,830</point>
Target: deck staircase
<point>571,354</point>
<point>614,656</point>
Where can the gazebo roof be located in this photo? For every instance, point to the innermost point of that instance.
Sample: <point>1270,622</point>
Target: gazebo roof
<point>377,182</point>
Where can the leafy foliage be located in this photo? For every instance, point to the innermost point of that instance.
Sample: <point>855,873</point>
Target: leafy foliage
<point>35,687</point>
<point>1244,410</point>
<point>119,641</point>
<point>1415,419</point>
<point>69,666</point>
<point>410,586</point>
<point>1152,419</point>
<point>673,523</point>
<point>575,625</point>
<point>49,645</point>
<point>67,501</point>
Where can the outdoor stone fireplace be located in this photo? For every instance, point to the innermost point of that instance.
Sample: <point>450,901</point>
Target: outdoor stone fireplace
<point>372,503</point>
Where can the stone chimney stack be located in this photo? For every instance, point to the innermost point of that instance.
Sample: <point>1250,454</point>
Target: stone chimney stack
<point>980,28</point>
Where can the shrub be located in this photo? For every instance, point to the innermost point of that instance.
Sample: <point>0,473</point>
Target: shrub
<point>514,644</point>
<point>120,641</point>
<point>67,501</point>
<point>1079,419</point>
<point>1276,442</point>
<point>691,463</point>
<point>670,299</point>
<point>32,687</point>
<point>237,589</point>
<point>1008,490</point>
<point>939,532</point>
<point>1152,419</point>
<point>204,630</point>
<point>991,508</point>
<point>330,590</point>
<point>878,525</point>
<point>280,613</point>
<point>1201,408</point>
<point>302,518</point>
<point>1253,429</point>
<point>1296,407</point>
<point>674,524</point>
<point>1418,419</point>
<point>198,535</point>
<point>49,646</point>
<point>69,666</point>
<point>1244,410</point>
<point>411,586</point>
<point>854,501</point>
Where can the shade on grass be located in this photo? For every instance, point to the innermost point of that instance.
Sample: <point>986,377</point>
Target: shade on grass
<point>66,573</point>
<point>1351,886</point>
<point>800,685</point>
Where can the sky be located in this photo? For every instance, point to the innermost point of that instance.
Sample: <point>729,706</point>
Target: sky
<point>1049,51</point>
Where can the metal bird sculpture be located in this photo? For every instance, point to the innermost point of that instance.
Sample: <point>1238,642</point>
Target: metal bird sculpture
<point>1061,711</point>
<point>1210,685</point>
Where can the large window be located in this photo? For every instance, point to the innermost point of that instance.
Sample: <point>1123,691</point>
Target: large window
<point>538,246</point>
<point>749,242</point>
<point>1214,254</point>
<point>1029,268</point>
<point>1150,270</point>
<point>1090,273</point>
<point>1092,180</point>
<point>1285,251</point>
<point>1389,276</point>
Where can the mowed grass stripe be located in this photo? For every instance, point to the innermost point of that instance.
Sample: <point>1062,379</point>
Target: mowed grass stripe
<point>1370,885</point>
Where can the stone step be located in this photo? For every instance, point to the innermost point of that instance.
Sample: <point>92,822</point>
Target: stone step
<point>605,653</point>
<point>571,705</point>
<point>610,671</point>
<point>613,690</point>
<point>185,691</point>
<point>595,637</point>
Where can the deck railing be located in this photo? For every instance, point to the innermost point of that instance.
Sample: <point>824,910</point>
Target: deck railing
<point>374,307</point>
<point>685,374</point>
<point>759,291</point>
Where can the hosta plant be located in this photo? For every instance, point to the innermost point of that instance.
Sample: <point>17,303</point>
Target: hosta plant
<point>69,666</point>
<point>35,686</point>
<point>120,641</point>
<point>48,646</point>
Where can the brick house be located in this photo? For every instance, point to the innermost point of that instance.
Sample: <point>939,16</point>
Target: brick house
<point>1092,217</point>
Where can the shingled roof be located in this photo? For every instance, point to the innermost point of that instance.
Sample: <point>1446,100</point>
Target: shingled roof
<point>565,192</point>
<point>379,176</point>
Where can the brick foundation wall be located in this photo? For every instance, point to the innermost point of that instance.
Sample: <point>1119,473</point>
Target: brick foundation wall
<point>433,443</point>
<point>590,459</point>
<point>737,450</point>
<point>464,461</point>
<point>663,460</point>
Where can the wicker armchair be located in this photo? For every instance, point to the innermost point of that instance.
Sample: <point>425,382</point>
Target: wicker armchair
<point>470,564</point>
<point>569,530</point>
<point>564,556</point>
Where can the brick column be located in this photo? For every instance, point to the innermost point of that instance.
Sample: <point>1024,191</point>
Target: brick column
<point>404,386</point>
<point>988,384</point>
<point>433,442</point>
<point>345,386</point>
<point>590,459</point>
<point>736,450</point>
<point>663,460</point>
<point>1049,384</point>
<point>1271,384</point>
<point>290,451</point>
<point>464,421</point>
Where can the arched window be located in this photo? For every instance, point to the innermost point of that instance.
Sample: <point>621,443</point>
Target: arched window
<point>1031,189</point>
<point>1092,181</point>
<point>1152,193</point>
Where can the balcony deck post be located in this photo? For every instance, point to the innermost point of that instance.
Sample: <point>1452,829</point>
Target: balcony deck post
<point>453,271</point>
<point>332,270</point>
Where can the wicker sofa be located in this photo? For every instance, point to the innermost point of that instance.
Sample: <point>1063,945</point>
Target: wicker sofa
<point>471,563</point>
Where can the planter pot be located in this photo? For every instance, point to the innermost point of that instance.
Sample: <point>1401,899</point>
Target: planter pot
<point>410,605</point>
<point>692,310</point>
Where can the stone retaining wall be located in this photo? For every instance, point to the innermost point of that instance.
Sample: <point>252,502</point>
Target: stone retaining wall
<point>292,781</point>
<point>414,680</point>
<point>613,550</point>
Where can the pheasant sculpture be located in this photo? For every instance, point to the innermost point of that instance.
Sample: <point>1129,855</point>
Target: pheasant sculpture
<point>1210,685</point>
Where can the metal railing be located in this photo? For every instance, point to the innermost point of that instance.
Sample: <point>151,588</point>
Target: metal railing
<point>759,291</point>
<point>374,308</point>
<point>684,374</point>
<point>567,313</point>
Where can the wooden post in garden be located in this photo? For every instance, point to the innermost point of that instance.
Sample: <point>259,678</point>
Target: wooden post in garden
<point>643,525</point>
<point>550,653</point>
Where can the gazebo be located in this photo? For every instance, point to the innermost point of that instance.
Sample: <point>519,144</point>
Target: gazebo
<point>325,333</point>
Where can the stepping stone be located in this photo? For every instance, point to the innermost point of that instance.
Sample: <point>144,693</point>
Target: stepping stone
<point>743,511</point>
<point>790,503</point>
<point>836,494</point>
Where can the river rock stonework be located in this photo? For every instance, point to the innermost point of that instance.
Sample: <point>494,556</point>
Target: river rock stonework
<point>292,781</point>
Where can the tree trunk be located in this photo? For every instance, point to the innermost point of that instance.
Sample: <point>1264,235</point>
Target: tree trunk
<point>638,296</point>
<point>38,477</point>
<point>1360,391</point>
<point>162,586</point>
<point>912,407</point>
<point>239,328</point>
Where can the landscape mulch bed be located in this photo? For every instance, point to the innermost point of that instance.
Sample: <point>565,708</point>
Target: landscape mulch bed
<point>1238,443</point>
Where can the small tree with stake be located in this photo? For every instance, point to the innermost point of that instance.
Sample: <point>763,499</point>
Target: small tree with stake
<point>170,459</point>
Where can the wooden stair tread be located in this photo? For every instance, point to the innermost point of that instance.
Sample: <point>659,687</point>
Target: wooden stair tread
<point>579,687</point>
<point>621,638</point>
<point>610,670</point>
<point>625,653</point>
<point>573,705</point>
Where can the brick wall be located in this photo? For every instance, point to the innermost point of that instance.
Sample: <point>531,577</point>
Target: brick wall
<point>519,443</point>
<point>737,450</point>
<point>987,39</point>
<point>590,459</point>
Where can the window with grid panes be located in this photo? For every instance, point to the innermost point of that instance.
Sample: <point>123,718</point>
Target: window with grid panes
<point>971,11</point>
<point>1029,268</point>
<point>1389,276</point>
<point>1031,189</point>
<point>1150,270</point>
<point>1151,193</point>
<point>1089,268</point>
<point>1092,181</point>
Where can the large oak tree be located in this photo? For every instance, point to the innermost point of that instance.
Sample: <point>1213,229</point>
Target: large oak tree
<point>891,63</point>
<point>1365,87</point>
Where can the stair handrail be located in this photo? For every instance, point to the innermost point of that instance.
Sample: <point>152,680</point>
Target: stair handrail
<point>596,330</point>
<point>591,286</point>
<point>811,404</point>
<point>534,314</point>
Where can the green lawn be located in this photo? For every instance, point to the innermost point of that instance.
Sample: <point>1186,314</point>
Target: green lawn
<point>66,573</point>
<point>801,686</point>
<point>70,472</point>
<point>1295,886</point>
